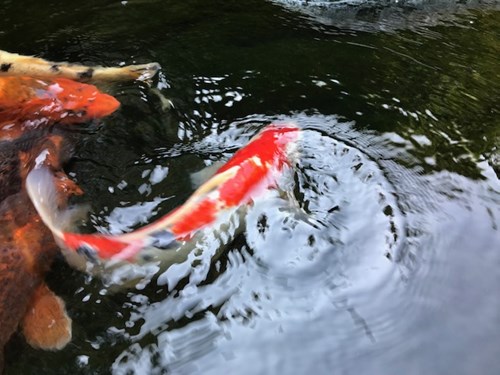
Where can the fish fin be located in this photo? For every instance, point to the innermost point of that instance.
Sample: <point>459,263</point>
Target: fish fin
<point>166,103</point>
<point>144,72</point>
<point>46,325</point>
<point>200,177</point>
<point>211,184</point>
<point>45,197</point>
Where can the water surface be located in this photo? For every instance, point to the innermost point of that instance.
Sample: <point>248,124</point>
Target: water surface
<point>385,257</point>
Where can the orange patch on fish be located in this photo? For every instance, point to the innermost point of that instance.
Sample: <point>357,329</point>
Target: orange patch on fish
<point>46,324</point>
<point>27,102</point>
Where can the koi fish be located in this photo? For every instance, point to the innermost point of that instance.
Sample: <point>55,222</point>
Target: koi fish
<point>27,247</point>
<point>36,92</point>
<point>26,250</point>
<point>252,170</point>
<point>27,102</point>
<point>12,64</point>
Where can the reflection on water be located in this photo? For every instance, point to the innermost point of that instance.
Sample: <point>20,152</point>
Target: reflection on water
<point>294,260</point>
<point>387,15</point>
<point>340,277</point>
<point>382,256</point>
<point>326,279</point>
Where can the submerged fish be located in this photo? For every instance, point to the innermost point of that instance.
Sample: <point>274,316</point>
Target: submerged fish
<point>252,170</point>
<point>27,103</point>
<point>27,247</point>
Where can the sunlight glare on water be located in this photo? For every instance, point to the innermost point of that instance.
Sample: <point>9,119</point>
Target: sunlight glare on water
<point>379,253</point>
<point>338,261</point>
<point>303,261</point>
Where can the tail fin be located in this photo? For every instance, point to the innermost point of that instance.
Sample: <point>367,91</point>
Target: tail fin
<point>44,196</point>
<point>143,72</point>
<point>46,325</point>
<point>19,65</point>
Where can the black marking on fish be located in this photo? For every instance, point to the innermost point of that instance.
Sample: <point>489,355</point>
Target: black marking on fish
<point>5,67</point>
<point>88,252</point>
<point>147,257</point>
<point>86,75</point>
<point>54,68</point>
<point>164,240</point>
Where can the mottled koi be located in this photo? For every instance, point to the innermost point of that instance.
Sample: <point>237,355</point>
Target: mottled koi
<point>27,103</point>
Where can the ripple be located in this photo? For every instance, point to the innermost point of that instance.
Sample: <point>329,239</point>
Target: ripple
<point>335,234</point>
<point>353,262</point>
<point>387,15</point>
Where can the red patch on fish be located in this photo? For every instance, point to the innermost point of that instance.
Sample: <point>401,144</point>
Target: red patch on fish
<point>252,170</point>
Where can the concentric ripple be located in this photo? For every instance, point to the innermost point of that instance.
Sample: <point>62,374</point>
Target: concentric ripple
<point>335,230</point>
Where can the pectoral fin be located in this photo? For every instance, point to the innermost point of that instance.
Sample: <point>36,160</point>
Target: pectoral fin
<point>202,176</point>
<point>46,324</point>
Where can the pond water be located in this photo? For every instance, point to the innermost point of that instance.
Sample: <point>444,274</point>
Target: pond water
<point>385,259</point>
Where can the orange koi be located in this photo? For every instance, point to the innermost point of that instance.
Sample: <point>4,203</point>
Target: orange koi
<point>27,247</point>
<point>34,93</point>
<point>252,170</point>
<point>27,102</point>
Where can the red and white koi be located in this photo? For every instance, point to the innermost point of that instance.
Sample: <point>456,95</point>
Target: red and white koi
<point>251,171</point>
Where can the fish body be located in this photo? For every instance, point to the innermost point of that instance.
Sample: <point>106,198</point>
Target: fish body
<point>251,171</point>
<point>27,249</point>
<point>13,64</point>
<point>27,103</point>
<point>34,94</point>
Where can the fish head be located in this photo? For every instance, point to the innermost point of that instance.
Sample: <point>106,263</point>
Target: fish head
<point>56,100</point>
<point>74,100</point>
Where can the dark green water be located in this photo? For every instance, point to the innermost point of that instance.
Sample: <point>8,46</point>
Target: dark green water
<point>391,263</point>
